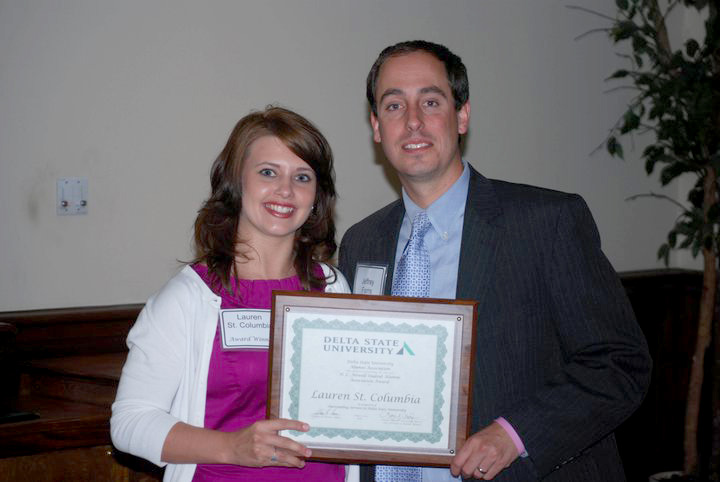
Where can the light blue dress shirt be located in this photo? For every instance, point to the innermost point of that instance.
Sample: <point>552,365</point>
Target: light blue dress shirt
<point>444,239</point>
<point>443,244</point>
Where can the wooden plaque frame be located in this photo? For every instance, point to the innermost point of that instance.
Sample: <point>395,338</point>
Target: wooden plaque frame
<point>463,341</point>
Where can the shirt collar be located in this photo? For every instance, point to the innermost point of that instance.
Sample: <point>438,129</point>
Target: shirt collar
<point>446,209</point>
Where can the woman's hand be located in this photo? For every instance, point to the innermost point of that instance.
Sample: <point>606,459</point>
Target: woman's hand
<point>259,445</point>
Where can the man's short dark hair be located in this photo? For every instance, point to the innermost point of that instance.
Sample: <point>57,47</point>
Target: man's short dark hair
<point>455,69</point>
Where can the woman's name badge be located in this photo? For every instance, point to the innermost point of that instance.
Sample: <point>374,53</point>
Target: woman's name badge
<point>369,279</point>
<point>243,329</point>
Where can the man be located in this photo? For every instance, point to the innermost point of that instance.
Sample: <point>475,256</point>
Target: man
<point>560,360</point>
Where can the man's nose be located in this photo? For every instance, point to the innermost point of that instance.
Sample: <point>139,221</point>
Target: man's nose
<point>414,118</point>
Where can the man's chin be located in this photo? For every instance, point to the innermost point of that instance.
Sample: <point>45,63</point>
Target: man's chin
<point>414,166</point>
<point>418,175</point>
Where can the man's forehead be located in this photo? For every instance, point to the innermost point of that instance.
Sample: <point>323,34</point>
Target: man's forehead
<point>415,72</point>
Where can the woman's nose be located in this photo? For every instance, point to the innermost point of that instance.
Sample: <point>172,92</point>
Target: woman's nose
<point>284,186</point>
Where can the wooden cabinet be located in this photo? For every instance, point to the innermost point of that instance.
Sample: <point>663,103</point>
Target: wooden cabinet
<point>88,464</point>
<point>666,306</point>
<point>64,367</point>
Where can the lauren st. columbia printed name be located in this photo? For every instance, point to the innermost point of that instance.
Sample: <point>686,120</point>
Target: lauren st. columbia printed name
<point>248,320</point>
<point>360,397</point>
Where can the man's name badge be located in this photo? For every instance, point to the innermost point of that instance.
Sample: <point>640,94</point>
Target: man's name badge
<point>245,329</point>
<point>369,279</point>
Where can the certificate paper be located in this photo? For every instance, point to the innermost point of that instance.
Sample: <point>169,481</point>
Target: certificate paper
<point>372,374</point>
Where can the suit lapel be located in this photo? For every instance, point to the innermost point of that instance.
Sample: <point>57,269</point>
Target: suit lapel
<point>482,232</point>
<point>387,242</point>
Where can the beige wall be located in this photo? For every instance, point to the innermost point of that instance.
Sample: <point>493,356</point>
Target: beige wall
<point>140,96</point>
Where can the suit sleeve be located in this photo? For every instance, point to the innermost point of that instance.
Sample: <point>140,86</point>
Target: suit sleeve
<point>606,366</point>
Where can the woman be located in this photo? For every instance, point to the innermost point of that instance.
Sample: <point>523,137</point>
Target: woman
<point>185,400</point>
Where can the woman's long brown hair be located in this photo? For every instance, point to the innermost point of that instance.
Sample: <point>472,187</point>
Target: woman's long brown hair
<point>216,227</point>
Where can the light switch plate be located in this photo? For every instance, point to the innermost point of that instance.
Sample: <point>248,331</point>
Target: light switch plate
<point>72,195</point>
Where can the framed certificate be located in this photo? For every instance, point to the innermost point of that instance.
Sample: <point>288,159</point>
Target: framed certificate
<point>379,379</point>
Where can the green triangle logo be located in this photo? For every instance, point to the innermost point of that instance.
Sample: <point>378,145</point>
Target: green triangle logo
<point>404,349</point>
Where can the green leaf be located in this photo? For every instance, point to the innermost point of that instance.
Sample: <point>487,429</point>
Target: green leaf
<point>664,253</point>
<point>687,242</point>
<point>623,30</point>
<point>619,151</point>
<point>660,108</point>
<point>650,166</point>
<point>619,74</point>
<point>622,4</point>
<point>638,60</point>
<point>695,249</point>
<point>698,217</point>
<point>639,44</point>
<point>631,122</point>
<point>677,60</point>
<point>653,151</point>
<point>614,148</point>
<point>695,196</point>
<point>671,171</point>
<point>644,80</point>
<point>685,228</point>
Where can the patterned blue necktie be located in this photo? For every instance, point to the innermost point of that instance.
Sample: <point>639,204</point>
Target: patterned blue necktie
<point>412,278</point>
<point>392,473</point>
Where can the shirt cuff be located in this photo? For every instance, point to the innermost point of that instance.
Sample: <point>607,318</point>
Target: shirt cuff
<point>519,445</point>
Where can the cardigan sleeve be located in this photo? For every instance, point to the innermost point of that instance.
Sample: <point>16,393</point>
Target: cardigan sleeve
<point>153,373</point>
<point>336,281</point>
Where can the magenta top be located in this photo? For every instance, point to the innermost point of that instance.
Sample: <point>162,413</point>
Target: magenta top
<point>237,388</point>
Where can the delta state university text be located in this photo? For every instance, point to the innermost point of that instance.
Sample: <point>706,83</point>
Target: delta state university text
<point>348,344</point>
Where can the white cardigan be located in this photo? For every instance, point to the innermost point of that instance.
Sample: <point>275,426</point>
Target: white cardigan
<point>164,380</point>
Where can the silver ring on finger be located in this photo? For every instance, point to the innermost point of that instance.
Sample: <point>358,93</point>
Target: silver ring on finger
<point>274,457</point>
<point>479,469</point>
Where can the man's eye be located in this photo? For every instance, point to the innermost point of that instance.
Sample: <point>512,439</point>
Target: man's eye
<point>432,103</point>
<point>392,107</point>
<point>267,172</point>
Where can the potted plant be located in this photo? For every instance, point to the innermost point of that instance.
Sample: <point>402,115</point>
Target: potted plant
<point>677,104</point>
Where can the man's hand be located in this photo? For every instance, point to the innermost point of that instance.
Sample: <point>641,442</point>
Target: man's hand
<point>485,453</point>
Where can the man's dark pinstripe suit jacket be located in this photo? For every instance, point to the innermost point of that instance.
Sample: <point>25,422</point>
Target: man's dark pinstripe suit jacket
<point>559,352</point>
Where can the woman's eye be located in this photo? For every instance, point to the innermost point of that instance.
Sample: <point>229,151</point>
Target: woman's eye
<point>267,172</point>
<point>304,178</point>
